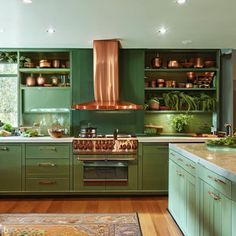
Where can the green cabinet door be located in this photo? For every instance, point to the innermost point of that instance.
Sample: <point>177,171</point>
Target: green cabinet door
<point>234,217</point>
<point>173,190</point>
<point>155,167</point>
<point>182,198</point>
<point>191,207</point>
<point>10,167</point>
<point>215,212</point>
<point>43,99</point>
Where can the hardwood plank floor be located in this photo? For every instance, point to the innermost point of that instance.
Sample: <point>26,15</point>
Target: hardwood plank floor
<point>152,210</point>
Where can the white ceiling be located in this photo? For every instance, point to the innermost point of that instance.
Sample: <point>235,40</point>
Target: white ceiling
<point>208,23</point>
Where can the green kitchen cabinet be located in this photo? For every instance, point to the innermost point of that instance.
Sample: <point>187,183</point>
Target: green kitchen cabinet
<point>43,99</point>
<point>215,212</point>
<point>233,209</point>
<point>48,167</point>
<point>154,167</point>
<point>10,167</point>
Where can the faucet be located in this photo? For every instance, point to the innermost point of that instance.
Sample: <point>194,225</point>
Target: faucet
<point>115,134</point>
<point>228,129</point>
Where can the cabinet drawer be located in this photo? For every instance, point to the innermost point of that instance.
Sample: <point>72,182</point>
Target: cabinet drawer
<point>10,150</point>
<point>47,168</point>
<point>47,151</point>
<point>184,162</point>
<point>47,184</point>
<point>219,182</point>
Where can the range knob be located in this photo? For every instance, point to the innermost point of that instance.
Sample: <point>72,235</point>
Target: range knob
<point>128,146</point>
<point>124,146</point>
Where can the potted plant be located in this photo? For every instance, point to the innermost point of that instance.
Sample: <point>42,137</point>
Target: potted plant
<point>154,103</point>
<point>180,122</point>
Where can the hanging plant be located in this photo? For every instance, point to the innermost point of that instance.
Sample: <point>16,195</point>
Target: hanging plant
<point>10,57</point>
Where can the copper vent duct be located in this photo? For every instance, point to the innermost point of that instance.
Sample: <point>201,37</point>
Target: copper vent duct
<point>106,79</point>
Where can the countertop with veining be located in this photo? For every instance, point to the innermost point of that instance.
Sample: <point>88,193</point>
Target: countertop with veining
<point>219,160</point>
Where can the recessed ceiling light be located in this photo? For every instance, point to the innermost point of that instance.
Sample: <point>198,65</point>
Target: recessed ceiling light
<point>50,30</point>
<point>187,41</point>
<point>181,2</point>
<point>27,1</point>
<point>162,30</point>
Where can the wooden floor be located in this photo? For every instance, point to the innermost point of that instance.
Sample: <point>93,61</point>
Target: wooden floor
<point>152,210</point>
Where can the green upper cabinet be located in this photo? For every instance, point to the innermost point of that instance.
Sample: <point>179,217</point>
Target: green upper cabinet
<point>45,79</point>
<point>10,167</point>
<point>154,164</point>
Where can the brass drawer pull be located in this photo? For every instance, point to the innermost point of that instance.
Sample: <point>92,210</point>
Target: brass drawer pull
<point>47,149</point>
<point>179,173</point>
<point>216,180</point>
<point>4,149</point>
<point>191,166</point>
<point>47,164</point>
<point>214,196</point>
<point>47,182</point>
<point>180,159</point>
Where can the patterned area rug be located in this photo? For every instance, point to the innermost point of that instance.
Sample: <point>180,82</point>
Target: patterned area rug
<point>69,225</point>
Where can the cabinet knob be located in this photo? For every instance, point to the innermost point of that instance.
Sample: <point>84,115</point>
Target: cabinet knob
<point>216,180</point>
<point>214,196</point>
<point>4,149</point>
<point>47,164</point>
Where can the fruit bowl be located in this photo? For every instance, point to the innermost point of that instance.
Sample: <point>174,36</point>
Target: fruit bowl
<point>56,133</point>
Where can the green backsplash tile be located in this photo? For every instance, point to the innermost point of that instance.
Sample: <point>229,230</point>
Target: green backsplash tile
<point>198,124</point>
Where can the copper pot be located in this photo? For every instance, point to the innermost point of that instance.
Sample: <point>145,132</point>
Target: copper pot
<point>173,64</point>
<point>198,62</point>
<point>40,80</point>
<point>55,81</point>
<point>30,81</point>
<point>191,76</point>
<point>44,63</point>
<point>156,62</point>
<point>56,63</point>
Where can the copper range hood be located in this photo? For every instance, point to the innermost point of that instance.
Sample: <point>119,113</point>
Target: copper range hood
<point>106,79</point>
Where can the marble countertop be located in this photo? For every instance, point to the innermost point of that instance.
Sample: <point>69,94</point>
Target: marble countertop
<point>19,139</point>
<point>47,139</point>
<point>172,139</point>
<point>219,161</point>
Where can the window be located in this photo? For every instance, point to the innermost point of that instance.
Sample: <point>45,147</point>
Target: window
<point>9,93</point>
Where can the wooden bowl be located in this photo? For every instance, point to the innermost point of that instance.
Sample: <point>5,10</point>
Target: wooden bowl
<point>56,133</point>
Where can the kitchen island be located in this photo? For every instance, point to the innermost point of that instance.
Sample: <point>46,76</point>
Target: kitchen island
<point>202,189</point>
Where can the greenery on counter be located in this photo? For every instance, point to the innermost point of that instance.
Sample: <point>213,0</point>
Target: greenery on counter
<point>10,57</point>
<point>180,122</point>
<point>227,141</point>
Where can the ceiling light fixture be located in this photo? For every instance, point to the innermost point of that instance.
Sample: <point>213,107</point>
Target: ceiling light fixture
<point>27,1</point>
<point>180,2</point>
<point>187,41</point>
<point>162,30</point>
<point>50,30</point>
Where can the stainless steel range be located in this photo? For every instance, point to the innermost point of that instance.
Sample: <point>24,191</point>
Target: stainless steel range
<point>106,160</point>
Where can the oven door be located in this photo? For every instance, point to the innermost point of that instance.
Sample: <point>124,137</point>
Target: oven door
<point>104,175</point>
<point>105,171</point>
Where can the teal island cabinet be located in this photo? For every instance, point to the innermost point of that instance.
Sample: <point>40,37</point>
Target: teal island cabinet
<point>234,208</point>
<point>204,205</point>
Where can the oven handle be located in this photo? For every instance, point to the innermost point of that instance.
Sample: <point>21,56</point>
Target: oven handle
<point>105,159</point>
<point>105,180</point>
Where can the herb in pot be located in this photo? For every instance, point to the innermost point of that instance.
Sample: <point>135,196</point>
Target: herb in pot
<point>180,122</point>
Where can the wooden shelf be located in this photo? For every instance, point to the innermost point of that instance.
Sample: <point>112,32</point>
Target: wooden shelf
<point>23,87</point>
<point>173,111</point>
<point>45,70</point>
<point>180,89</point>
<point>182,70</point>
